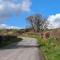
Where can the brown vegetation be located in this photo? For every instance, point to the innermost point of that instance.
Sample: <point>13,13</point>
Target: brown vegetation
<point>55,33</point>
<point>46,35</point>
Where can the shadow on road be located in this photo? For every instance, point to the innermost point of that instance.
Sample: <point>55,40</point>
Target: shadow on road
<point>15,46</point>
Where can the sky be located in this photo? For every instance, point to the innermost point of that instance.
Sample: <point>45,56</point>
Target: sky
<point>13,13</point>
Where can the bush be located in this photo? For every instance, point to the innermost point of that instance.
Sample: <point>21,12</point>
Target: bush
<point>8,39</point>
<point>46,35</point>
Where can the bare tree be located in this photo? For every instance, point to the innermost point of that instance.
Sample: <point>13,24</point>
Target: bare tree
<point>37,22</point>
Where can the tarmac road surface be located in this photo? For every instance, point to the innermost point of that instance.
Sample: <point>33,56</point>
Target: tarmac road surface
<point>25,50</point>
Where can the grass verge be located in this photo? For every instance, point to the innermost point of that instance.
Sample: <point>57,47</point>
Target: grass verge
<point>50,48</point>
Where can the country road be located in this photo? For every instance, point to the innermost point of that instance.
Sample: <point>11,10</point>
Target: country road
<point>25,50</point>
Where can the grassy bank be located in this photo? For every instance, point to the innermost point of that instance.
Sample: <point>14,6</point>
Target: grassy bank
<point>50,48</point>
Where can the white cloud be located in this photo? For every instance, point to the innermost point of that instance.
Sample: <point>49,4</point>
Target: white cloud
<point>14,6</point>
<point>1,7</point>
<point>54,21</point>
<point>4,26</point>
<point>26,5</point>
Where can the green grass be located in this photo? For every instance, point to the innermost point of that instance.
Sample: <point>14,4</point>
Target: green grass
<point>50,48</point>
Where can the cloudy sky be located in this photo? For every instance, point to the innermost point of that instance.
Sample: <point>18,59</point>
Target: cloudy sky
<point>13,13</point>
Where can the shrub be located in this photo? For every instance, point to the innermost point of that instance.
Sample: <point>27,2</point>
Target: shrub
<point>46,35</point>
<point>10,37</point>
<point>5,40</point>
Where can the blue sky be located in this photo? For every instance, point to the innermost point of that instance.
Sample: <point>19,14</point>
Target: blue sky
<point>44,7</point>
